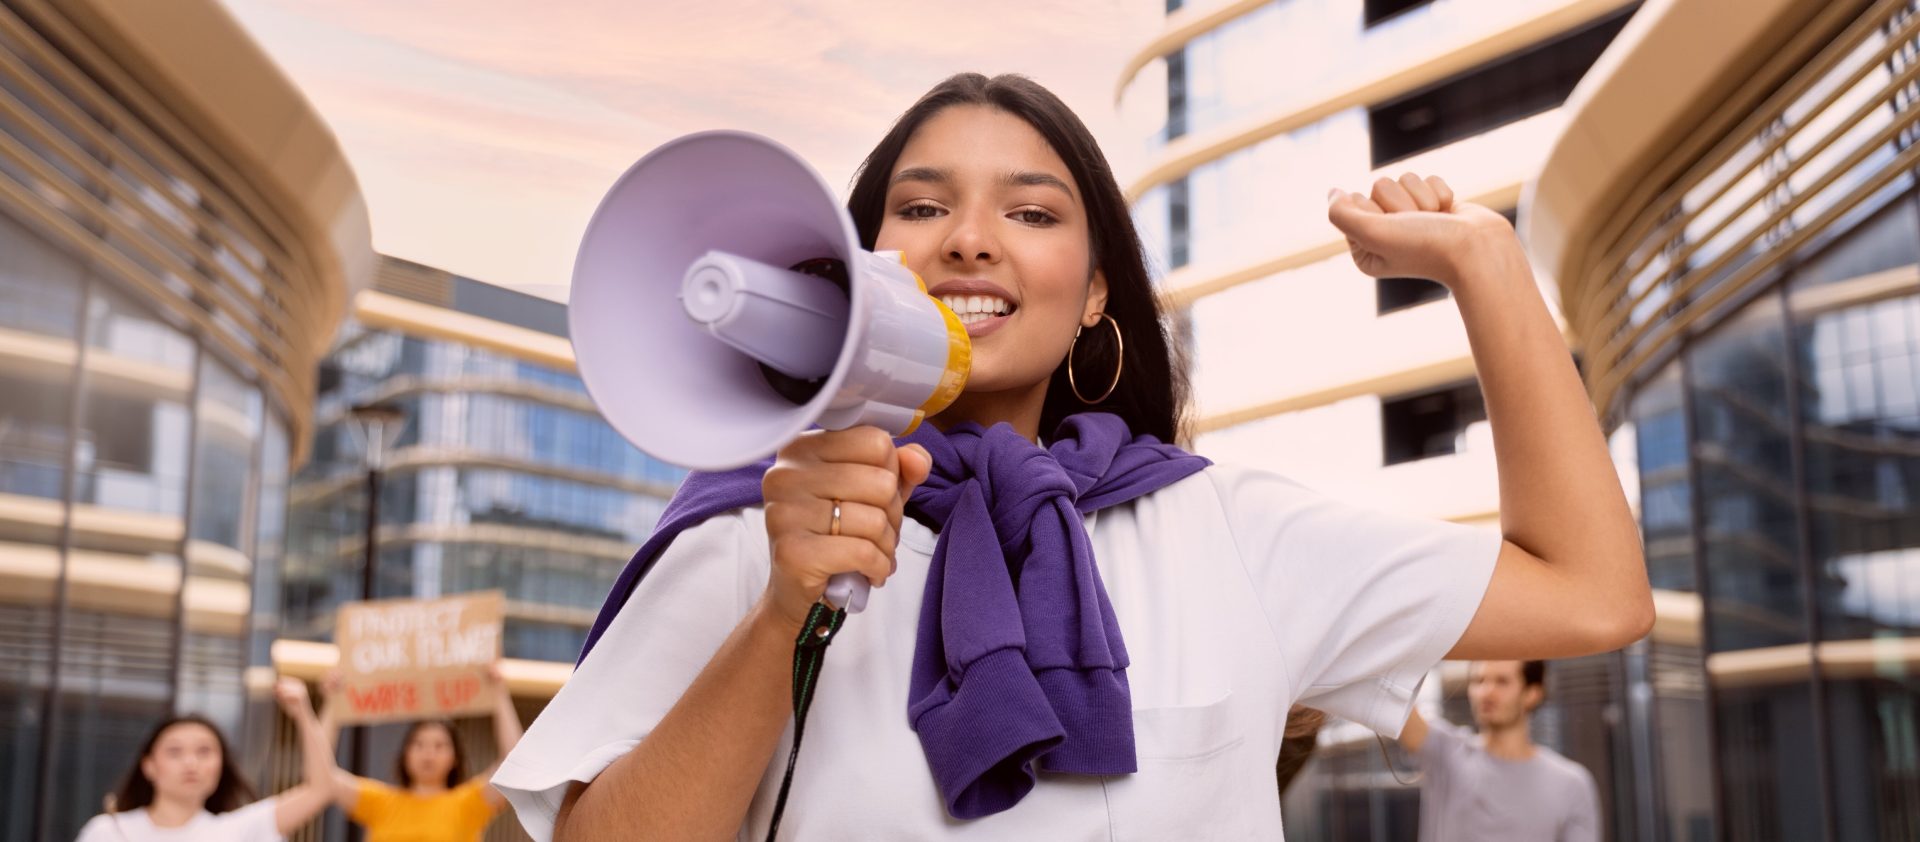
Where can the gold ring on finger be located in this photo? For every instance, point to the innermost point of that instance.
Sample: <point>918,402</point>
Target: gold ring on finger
<point>834,527</point>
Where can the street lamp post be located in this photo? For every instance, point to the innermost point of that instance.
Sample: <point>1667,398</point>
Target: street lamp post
<point>377,425</point>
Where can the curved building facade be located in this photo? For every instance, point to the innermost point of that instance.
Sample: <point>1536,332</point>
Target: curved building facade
<point>1733,218</point>
<point>178,237</point>
<point>1248,113</point>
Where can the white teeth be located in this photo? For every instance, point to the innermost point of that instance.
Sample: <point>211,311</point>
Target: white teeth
<point>980,305</point>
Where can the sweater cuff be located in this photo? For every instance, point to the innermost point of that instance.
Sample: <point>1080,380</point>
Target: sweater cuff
<point>1096,710</point>
<point>981,742</point>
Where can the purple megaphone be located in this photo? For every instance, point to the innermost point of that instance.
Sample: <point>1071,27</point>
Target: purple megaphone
<point>722,305</point>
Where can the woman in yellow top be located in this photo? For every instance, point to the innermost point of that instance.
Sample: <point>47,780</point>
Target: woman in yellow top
<point>434,801</point>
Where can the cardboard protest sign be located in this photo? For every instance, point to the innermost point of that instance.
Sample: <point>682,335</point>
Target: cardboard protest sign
<point>406,659</point>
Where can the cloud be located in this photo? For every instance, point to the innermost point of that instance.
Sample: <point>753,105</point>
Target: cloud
<point>485,132</point>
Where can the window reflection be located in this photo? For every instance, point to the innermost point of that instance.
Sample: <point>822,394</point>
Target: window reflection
<point>1858,349</point>
<point>40,289</point>
<point>219,547</point>
<point>132,452</point>
<point>1742,448</point>
<point>1666,504</point>
<point>505,477</point>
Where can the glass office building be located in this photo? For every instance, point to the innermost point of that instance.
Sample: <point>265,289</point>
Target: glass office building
<point>168,281</point>
<point>503,476</point>
<point>1740,259</point>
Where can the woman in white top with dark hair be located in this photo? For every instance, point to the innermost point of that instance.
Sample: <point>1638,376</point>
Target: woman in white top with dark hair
<point>183,785</point>
<point>1086,633</point>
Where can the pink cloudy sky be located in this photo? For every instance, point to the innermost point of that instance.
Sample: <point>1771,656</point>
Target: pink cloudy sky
<point>484,131</point>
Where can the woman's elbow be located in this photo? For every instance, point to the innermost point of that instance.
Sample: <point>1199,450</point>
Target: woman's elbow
<point>1629,616</point>
<point>1635,621</point>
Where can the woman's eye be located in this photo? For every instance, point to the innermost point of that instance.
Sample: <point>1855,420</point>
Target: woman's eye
<point>1033,216</point>
<point>920,211</point>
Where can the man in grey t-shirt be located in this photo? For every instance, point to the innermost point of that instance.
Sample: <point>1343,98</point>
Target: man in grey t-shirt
<point>1499,785</point>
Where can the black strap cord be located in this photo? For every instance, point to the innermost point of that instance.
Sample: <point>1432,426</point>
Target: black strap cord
<point>809,652</point>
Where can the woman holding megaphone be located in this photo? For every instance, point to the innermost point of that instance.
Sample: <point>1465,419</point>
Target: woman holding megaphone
<point>1088,632</point>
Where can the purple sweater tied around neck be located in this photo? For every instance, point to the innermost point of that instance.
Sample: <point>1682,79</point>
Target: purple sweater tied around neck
<point>1018,664</point>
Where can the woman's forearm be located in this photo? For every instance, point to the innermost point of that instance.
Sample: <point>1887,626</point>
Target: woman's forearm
<point>299,805</point>
<point>316,754</point>
<point>330,722</point>
<point>506,720</point>
<point>694,776</point>
<point>1560,497</point>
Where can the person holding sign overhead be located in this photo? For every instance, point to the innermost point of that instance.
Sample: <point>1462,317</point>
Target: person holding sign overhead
<point>423,661</point>
<point>435,800</point>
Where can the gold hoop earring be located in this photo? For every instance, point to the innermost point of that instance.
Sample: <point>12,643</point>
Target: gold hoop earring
<point>1120,362</point>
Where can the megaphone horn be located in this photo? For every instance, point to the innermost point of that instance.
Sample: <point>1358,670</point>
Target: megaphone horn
<point>722,305</point>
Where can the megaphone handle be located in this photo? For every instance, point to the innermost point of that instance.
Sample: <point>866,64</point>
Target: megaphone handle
<point>848,591</point>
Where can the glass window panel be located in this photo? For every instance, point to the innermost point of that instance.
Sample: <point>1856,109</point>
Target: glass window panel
<point>132,452</point>
<point>1876,754</point>
<point>40,289</point>
<point>269,553</point>
<point>218,594</point>
<point>26,638</point>
<point>39,319</point>
<point>115,676</point>
<point>1741,447</point>
<point>1666,504</point>
<point>1768,767</point>
<point>1684,757</point>
<point>124,571</point>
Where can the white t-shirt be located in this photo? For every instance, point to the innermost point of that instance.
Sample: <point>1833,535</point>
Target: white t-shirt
<point>1238,594</point>
<point>252,823</point>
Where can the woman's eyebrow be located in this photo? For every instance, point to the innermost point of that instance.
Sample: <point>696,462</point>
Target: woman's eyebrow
<point>1016,178</point>
<point>930,175</point>
<point>1033,178</point>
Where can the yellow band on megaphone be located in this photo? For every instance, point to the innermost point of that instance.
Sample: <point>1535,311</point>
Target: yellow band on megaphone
<point>959,362</point>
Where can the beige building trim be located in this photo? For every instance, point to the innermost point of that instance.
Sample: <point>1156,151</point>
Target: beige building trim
<point>123,584</point>
<point>1838,659</point>
<point>1184,285</point>
<point>492,535</point>
<point>408,385</point>
<point>310,660</point>
<point>39,519</point>
<point>1643,102</point>
<point>223,89</point>
<point>1182,26</point>
<point>51,358</point>
<point>383,311</point>
<point>1677,617</point>
<point>1444,59</point>
<point>416,458</point>
<point>1396,382</point>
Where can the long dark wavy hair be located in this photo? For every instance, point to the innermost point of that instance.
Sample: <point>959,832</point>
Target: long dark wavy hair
<point>1152,392</point>
<point>455,775</point>
<point>136,790</point>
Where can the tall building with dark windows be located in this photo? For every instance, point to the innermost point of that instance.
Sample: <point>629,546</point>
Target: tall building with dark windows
<point>1732,216</point>
<point>179,235</point>
<point>503,476</point>
<point>1250,110</point>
